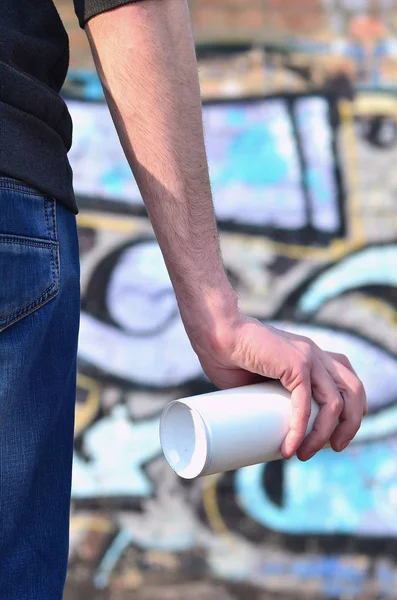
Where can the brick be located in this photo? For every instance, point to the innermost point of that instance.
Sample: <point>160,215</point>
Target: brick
<point>221,20</point>
<point>212,18</point>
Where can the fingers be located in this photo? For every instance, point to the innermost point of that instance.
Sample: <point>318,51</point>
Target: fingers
<point>331,403</point>
<point>331,380</point>
<point>301,398</point>
<point>355,403</point>
<point>343,360</point>
<point>345,432</point>
<point>305,371</point>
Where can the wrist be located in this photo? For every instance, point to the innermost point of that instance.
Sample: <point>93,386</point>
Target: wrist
<point>209,312</point>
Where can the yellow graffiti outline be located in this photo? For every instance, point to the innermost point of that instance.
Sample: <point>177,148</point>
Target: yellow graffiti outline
<point>91,523</point>
<point>86,413</point>
<point>380,308</point>
<point>212,511</point>
<point>108,222</point>
<point>336,250</point>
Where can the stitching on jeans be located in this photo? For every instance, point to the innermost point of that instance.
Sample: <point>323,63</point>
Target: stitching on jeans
<point>11,239</point>
<point>51,244</point>
<point>46,218</point>
<point>17,314</point>
<point>49,235</point>
<point>35,303</point>
<point>54,217</point>
<point>22,191</point>
<point>20,311</point>
<point>47,294</point>
<point>29,309</point>
<point>19,186</point>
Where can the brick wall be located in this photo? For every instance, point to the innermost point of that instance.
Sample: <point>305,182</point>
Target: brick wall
<point>221,20</point>
<point>256,19</point>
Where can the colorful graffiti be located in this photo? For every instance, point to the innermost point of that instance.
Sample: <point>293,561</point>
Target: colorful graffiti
<point>301,147</point>
<point>339,288</point>
<point>301,180</point>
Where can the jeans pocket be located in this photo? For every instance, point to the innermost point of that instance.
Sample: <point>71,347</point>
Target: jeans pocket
<point>29,276</point>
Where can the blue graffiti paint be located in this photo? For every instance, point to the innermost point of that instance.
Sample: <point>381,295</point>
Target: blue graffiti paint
<point>386,579</point>
<point>114,180</point>
<point>236,116</point>
<point>176,541</point>
<point>88,82</point>
<point>318,185</point>
<point>330,575</point>
<point>372,266</point>
<point>254,164</point>
<point>332,493</point>
<point>111,558</point>
<point>268,168</point>
<point>337,576</point>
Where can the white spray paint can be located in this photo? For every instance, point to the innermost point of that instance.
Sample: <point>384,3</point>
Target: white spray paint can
<point>226,430</point>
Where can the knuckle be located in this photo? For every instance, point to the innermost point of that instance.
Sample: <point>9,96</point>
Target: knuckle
<point>309,346</point>
<point>298,371</point>
<point>304,363</point>
<point>336,406</point>
<point>357,388</point>
<point>342,359</point>
<point>346,361</point>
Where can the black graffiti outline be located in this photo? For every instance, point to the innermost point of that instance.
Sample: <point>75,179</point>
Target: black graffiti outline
<point>94,299</point>
<point>309,232</point>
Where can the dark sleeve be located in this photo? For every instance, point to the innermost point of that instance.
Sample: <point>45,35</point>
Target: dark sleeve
<point>85,9</point>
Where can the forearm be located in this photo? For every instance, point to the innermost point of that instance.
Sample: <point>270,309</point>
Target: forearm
<point>145,56</point>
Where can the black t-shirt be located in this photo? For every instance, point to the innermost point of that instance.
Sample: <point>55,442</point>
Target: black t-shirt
<point>35,126</point>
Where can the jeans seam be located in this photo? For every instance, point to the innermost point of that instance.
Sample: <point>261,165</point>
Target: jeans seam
<point>20,187</point>
<point>54,270</point>
<point>9,319</point>
<point>46,218</point>
<point>54,221</point>
<point>47,294</point>
<point>12,239</point>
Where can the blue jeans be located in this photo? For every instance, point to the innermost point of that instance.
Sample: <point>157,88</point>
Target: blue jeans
<point>39,318</point>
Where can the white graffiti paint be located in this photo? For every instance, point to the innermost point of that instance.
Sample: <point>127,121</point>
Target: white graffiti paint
<point>117,449</point>
<point>375,265</point>
<point>257,176</point>
<point>139,295</point>
<point>164,360</point>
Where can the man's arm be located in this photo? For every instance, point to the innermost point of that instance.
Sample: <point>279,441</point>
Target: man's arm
<point>144,53</point>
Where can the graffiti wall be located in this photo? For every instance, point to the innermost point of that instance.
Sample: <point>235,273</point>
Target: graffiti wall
<point>304,180</point>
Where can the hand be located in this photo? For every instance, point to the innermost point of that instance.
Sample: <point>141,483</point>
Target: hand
<point>244,351</point>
